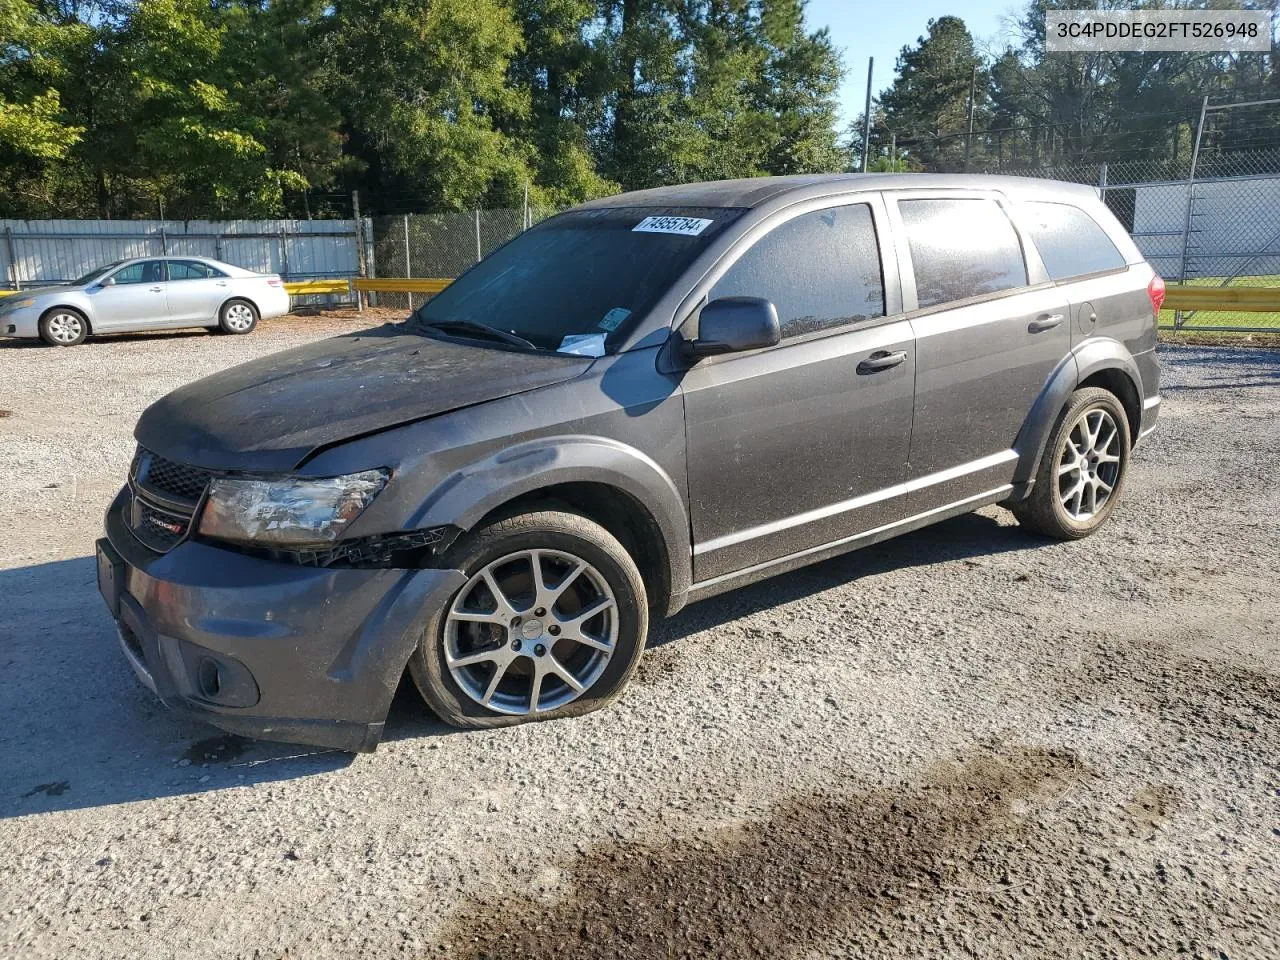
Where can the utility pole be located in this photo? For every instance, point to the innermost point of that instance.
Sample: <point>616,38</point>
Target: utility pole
<point>968,140</point>
<point>355,213</point>
<point>893,152</point>
<point>866,117</point>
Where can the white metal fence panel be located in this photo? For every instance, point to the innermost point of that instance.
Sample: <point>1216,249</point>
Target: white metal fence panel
<point>47,251</point>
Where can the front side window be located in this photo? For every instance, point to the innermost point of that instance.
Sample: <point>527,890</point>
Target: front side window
<point>144,271</point>
<point>961,248</point>
<point>586,275</point>
<point>819,269</point>
<point>92,275</point>
<point>1070,242</point>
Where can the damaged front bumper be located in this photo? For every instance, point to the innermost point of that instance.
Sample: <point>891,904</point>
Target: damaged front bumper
<point>264,648</point>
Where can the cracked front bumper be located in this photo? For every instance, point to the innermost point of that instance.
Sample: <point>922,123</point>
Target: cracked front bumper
<point>262,648</point>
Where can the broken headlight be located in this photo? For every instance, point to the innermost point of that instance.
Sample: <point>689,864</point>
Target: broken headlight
<point>287,513</point>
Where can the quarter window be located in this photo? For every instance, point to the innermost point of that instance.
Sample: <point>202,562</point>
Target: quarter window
<point>820,269</point>
<point>1070,242</point>
<point>961,248</point>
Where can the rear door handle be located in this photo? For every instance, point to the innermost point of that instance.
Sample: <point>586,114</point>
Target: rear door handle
<point>1046,321</point>
<point>156,289</point>
<point>881,361</point>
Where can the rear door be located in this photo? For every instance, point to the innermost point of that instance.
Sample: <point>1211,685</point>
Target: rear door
<point>136,299</point>
<point>196,291</point>
<point>990,330</point>
<point>805,443</point>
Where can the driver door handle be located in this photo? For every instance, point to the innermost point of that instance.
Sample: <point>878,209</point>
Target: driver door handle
<point>1046,321</point>
<point>881,361</point>
<point>155,289</point>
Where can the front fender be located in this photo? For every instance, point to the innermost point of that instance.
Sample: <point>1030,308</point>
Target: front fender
<point>1089,358</point>
<point>469,494</point>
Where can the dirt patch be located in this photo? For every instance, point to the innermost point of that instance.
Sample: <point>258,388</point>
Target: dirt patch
<point>786,883</point>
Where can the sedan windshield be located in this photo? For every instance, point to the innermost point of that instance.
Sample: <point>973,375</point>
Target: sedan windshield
<point>577,282</point>
<point>96,272</point>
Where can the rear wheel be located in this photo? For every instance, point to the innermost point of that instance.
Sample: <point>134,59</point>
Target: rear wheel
<point>237,316</point>
<point>1083,469</point>
<point>63,327</point>
<point>550,623</point>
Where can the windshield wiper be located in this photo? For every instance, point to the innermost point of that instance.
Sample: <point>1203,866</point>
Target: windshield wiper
<point>482,329</point>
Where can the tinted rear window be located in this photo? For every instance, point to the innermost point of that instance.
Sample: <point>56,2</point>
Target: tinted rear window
<point>1070,242</point>
<point>961,248</point>
<point>820,269</point>
<point>585,272</point>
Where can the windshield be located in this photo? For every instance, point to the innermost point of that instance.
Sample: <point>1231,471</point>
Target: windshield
<point>96,272</point>
<point>580,281</point>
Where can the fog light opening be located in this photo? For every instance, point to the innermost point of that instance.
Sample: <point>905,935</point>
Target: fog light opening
<point>208,678</point>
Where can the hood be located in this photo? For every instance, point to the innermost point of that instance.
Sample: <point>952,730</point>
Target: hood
<point>269,414</point>
<point>25,292</point>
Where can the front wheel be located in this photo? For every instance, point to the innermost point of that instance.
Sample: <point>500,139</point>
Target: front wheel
<point>1083,469</point>
<point>63,327</point>
<point>550,623</point>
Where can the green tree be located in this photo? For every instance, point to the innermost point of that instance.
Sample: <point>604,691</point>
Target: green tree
<point>928,104</point>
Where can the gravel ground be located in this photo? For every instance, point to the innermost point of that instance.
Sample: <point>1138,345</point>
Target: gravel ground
<point>963,742</point>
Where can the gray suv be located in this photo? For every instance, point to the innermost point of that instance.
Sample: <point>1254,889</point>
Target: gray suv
<point>642,402</point>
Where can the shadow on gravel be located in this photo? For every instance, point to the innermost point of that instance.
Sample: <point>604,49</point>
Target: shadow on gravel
<point>812,871</point>
<point>970,535</point>
<point>104,340</point>
<point>78,730</point>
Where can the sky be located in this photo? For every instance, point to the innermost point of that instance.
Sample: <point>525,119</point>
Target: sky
<point>862,30</point>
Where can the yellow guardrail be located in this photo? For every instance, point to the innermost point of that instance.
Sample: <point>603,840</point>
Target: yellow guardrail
<point>1243,299</point>
<point>301,288</point>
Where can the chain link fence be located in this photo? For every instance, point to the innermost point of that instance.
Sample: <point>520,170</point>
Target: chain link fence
<point>441,245</point>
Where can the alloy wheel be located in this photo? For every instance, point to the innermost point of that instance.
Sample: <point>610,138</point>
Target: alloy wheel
<point>531,632</point>
<point>239,317</point>
<point>65,327</point>
<point>1089,467</point>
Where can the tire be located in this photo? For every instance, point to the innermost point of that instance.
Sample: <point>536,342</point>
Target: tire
<point>237,317</point>
<point>64,327</point>
<point>517,639</point>
<point>1076,470</point>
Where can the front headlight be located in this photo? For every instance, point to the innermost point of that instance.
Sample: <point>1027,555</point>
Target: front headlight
<point>295,512</point>
<point>11,303</point>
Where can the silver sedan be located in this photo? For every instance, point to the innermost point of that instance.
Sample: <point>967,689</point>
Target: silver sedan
<point>152,293</point>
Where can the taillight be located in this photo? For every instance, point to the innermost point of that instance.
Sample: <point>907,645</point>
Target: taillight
<point>1155,290</point>
<point>275,282</point>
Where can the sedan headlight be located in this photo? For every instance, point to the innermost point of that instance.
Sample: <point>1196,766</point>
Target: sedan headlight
<point>294,512</point>
<point>11,303</point>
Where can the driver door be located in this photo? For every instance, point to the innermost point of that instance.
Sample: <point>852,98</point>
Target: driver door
<point>803,444</point>
<point>137,298</point>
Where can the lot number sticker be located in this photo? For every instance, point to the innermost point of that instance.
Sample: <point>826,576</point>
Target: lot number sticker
<point>685,226</point>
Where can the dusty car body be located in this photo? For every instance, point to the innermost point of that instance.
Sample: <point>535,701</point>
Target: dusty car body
<point>501,493</point>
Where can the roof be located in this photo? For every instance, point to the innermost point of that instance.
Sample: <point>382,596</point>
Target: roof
<point>755,191</point>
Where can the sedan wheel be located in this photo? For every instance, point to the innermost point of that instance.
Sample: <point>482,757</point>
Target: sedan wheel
<point>238,316</point>
<point>63,328</point>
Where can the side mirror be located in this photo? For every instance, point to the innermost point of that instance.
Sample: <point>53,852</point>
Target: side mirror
<point>733,324</point>
<point>107,282</point>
